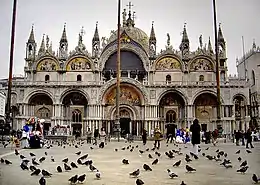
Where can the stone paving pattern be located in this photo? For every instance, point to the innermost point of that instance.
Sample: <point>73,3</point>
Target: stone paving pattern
<point>113,172</point>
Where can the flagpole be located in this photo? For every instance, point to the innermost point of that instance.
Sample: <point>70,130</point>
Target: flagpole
<point>217,62</point>
<point>9,90</point>
<point>117,121</point>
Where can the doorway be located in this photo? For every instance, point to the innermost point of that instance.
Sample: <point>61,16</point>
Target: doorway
<point>46,128</point>
<point>204,127</point>
<point>76,129</point>
<point>125,126</point>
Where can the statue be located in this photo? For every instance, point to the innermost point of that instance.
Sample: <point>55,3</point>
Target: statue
<point>168,39</point>
<point>124,17</point>
<point>104,42</point>
<point>200,40</point>
<point>47,41</point>
<point>113,33</point>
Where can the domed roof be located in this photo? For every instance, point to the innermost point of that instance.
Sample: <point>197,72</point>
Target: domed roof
<point>135,34</point>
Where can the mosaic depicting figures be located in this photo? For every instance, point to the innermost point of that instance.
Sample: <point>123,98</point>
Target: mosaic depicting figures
<point>128,95</point>
<point>78,64</point>
<point>47,65</point>
<point>201,65</point>
<point>168,63</point>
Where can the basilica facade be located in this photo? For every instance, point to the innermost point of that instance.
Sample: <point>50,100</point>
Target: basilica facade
<point>175,85</point>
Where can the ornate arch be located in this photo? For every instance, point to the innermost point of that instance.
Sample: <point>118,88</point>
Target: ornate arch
<point>168,62</point>
<point>179,92</point>
<point>129,81</point>
<point>47,63</point>
<point>135,114</point>
<point>200,92</point>
<point>68,91</point>
<point>239,95</point>
<point>38,91</point>
<point>86,63</point>
<point>127,47</point>
<point>201,63</point>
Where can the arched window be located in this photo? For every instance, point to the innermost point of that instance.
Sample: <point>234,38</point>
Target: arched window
<point>79,79</point>
<point>170,116</point>
<point>253,78</point>
<point>201,78</point>
<point>76,116</point>
<point>47,78</point>
<point>168,78</point>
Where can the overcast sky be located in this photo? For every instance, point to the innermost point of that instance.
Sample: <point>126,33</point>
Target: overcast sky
<point>238,18</point>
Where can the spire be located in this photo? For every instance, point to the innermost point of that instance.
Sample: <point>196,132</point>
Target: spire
<point>96,35</point>
<point>152,34</point>
<point>185,35</point>
<point>220,34</point>
<point>210,46</point>
<point>42,47</point>
<point>31,37</point>
<point>64,35</point>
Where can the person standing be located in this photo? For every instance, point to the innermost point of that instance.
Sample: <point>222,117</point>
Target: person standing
<point>195,137</point>
<point>89,135</point>
<point>249,138</point>
<point>157,138</point>
<point>215,136</point>
<point>144,137</point>
<point>102,136</point>
<point>96,133</point>
<point>237,137</point>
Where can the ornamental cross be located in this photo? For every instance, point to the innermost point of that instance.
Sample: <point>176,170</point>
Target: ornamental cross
<point>130,5</point>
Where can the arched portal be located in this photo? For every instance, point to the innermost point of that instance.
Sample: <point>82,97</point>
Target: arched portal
<point>172,110</point>
<point>206,109</point>
<point>74,111</point>
<point>240,111</point>
<point>131,66</point>
<point>41,106</point>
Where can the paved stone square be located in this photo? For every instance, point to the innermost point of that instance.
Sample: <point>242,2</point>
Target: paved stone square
<point>113,172</point>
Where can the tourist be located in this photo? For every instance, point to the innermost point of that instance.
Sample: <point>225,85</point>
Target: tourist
<point>170,133</point>
<point>96,134</point>
<point>248,137</point>
<point>243,137</point>
<point>144,137</point>
<point>157,138</point>
<point>102,136</point>
<point>237,137</point>
<point>89,135</point>
<point>214,137</point>
<point>195,137</point>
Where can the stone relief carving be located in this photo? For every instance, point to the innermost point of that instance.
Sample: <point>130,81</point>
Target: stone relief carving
<point>93,93</point>
<point>78,64</point>
<point>201,65</point>
<point>47,65</point>
<point>168,63</point>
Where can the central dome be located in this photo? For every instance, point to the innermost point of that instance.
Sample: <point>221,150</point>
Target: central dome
<point>134,33</point>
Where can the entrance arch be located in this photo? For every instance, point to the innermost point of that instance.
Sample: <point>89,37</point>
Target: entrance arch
<point>239,101</point>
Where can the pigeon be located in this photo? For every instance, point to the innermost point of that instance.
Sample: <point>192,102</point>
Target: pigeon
<point>239,159</point>
<point>155,162</point>
<point>2,160</point>
<point>141,152</point>
<point>255,178</point>
<point>46,173</point>
<point>183,183</point>
<point>243,163</point>
<point>171,174</point>
<point>243,169</point>
<point>139,182</point>
<point>237,152</point>
<point>190,169</point>
<point>78,153</point>
<point>116,149</point>
<point>228,165</point>
<point>73,165</point>
<point>42,181</point>
<point>92,168</point>
<point>36,172</point>
<point>46,153</point>
<point>125,161</point>
<point>147,167</point>
<point>150,156</point>
<point>67,167</point>
<point>16,152</point>
<point>73,179</point>
<point>207,148</point>
<point>42,159</point>
<point>52,159</point>
<point>177,164</point>
<point>22,157</point>
<point>249,151</point>
<point>24,166</point>
<point>59,169</point>
<point>98,175</point>
<point>65,160</point>
<point>32,155</point>
<point>188,160</point>
<point>135,173</point>
<point>79,161</point>
<point>34,162</point>
<point>32,168</point>
<point>7,162</point>
<point>81,178</point>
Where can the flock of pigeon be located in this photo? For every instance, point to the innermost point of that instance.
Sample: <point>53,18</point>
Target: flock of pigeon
<point>32,164</point>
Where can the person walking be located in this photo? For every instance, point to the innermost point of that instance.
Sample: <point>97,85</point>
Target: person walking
<point>96,133</point>
<point>157,138</point>
<point>249,138</point>
<point>144,137</point>
<point>89,135</point>
<point>237,137</point>
<point>215,136</point>
<point>195,137</point>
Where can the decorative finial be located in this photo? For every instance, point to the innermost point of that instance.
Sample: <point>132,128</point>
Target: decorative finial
<point>134,16</point>
<point>130,5</point>
<point>82,31</point>
<point>96,23</point>
<point>219,24</point>
<point>32,26</point>
<point>185,25</point>
<point>152,23</point>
